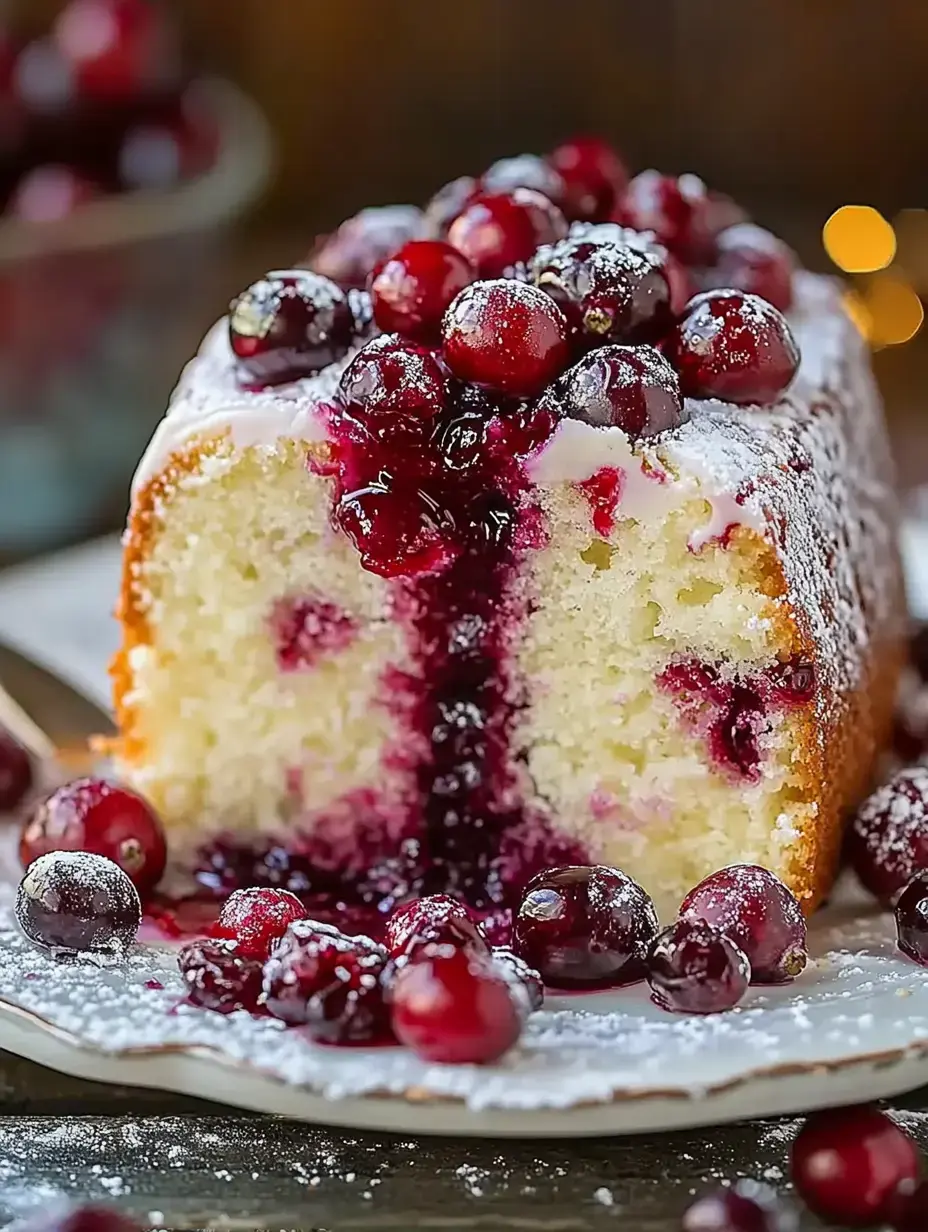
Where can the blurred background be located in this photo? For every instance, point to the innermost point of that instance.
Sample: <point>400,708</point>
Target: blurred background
<point>155,157</point>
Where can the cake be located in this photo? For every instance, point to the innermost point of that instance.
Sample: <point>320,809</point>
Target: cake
<point>553,524</point>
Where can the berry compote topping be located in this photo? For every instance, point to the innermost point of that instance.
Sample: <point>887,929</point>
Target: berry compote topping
<point>218,977</point>
<point>411,290</point>
<point>452,1008</point>
<point>752,259</point>
<point>677,209</point>
<point>101,817</point>
<point>849,1163</point>
<point>507,336</point>
<point>593,175</point>
<point>497,231</point>
<point>15,772</point>
<point>256,919</point>
<point>629,387</point>
<point>909,1211</point>
<point>756,910</point>
<point>585,927</point>
<point>887,843</point>
<point>290,324</point>
<point>746,1206</point>
<point>912,918</point>
<point>733,346</point>
<point>524,171</point>
<point>87,1218</point>
<point>694,968</point>
<point>308,629</point>
<point>520,976</point>
<point>72,902</point>
<point>353,252</point>
<point>328,983</point>
<point>437,918</point>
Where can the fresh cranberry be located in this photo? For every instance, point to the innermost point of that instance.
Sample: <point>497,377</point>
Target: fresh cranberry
<point>520,976</point>
<point>633,388</point>
<point>757,911</point>
<point>412,289</point>
<point>694,968</point>
<point>677,210</point>
<point>752,259</point>
<point>330,984</point>
<point>447,203</point>
<point>101,817</point>
<point>496,231</point>
<point>505,335</point>
<point>912,919</point>
<point>437,918</point>
<point>218,977</point>
<point>117,47</point>
<point>887,842</point>
<point>733,346</point>
<point>404,533</point>
<point>289,324</point>
<point>50,193</point>
<point>351,253</point>
<point>255,919</point>
<point>454,1009</point>
<point>746,1206</point>
<point>594,177</point>
<point>73,902</point>
<point>392,386</point>
<point>584,927</point>
<point>848,1163</point>
<point>524,171</point>
<point>909,1211</point>
<point>15,772</point>
<point>87,1218</point>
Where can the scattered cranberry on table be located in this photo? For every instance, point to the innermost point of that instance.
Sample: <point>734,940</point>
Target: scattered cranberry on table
<point>411,289</point>
<point>15,772</point>
<point>887,842</point>
<point>694,968</point>
<point>745,1206</point>
<point>75,902</point>
<point>497,231</point>
<point>438,918</point>
<point>911,913</point>
<point>218,977</point>
<point>256,919</point>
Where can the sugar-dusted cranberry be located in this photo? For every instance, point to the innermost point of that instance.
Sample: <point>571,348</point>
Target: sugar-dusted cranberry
<point>498,230</point>
<point>887,842</point>
<point>96,815</point>
<point>909,1212</point>
<point>15,772</point>
<point>328,983</point>
<point>437,918</point>
<point>404,532</point>
<point>507,336</point>
<point>757,911</point>
<point>912,918</point>
<point>520,976</point>
<point>90,1217</point>
<point>733,346</point>
<point>218,977</point>
<point>594,177</point>
<point>628,387</point>
<point>73,902</point>
<point>694,968</point>
<point>676,209</point>
<point>351,253</point>
<point>584,927</point>
<point>392,386</point>
<point>453,1008</point>
<point>746,1206</point>
<point>524,171</point>
<point>446,204</point>
<point>256,919</point>
<point>118,48</point>
<point>848,1163</point>
<point>412,289</point>
<point>289,324</point>
<point>752,259</point>
<point>51,193</point>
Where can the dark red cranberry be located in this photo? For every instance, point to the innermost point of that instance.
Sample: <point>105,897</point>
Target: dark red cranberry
<point>87,1218</point>
<point>290,324</point>
<point>912,919</point>
<point>392,386</point>
<point>397,533</point>
<point>308,629</point>
<point>218,977</point>
<point>594,177</point>
<point>887,843</point>
<point>437,918</point>
<point>848,1163</point>
<point>910,1208</point>
<point>756,910</point>
<point>733,346</point>
<point>585,927</point>
<point>330,984</point>
<point>524,171</point>
<point>694,968</point>
<point>101,817</point>
<point>507,336</point>
<point>520,976</point>
<point>256,919</point>
<point>118,48</point>
<point>73,902</point>
<point>454,1009</point>
<point>496,231</point>
<point>15,772</point>
<point>746,1206</point>
<point>633,388</point>
<point>351,253</point>
<point>676,209</point>
<point>50,193</point>
<point>793,682</point>
<point>752,259</point>
<point>447,203</point>
<point>412,289</point>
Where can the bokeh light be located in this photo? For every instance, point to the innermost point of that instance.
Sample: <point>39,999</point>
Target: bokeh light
<point>856,308</point>
<point>895,311</point>
<point>859,239</point>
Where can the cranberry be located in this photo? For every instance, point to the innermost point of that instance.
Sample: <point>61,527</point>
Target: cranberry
<point>757,911</point>
<point>454,1009</point>
<point>694,968</point>
<point>519,976</point>
<point>255,919</point>
<point>505,335</point>
<point>152,156</point>
<point>412,289</point>
<point>524,171</point>
<point>15,772</point>
<point>359,245</point>
<point>447,203</point>
<point>392,386</point>
<point>746,1206</point>
<point>633,388</point>
<point>86,1218</point>
<point>848,1163</point>
<point>496,231</point>
<point>101,817</point>
<point>218,977</point>
<point>609,292</point>
<point>910,1208</point>
<point>912,919</point>
<point>437,918</point>
<point>50,193</point>
<point>74,902</point>
<point>331,984</point>
<point>593,175</point>
<point>117,47</point>
<point>405,534</point>
<point>307,630</point>
<point>887,842</point>
<point>584,927</point>
<point>43,80</point>
<point>289,324</point>
<point>752,259</point>
<point>677,210</point>
<point>733,346</point>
